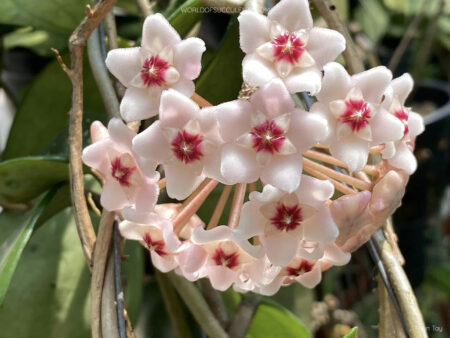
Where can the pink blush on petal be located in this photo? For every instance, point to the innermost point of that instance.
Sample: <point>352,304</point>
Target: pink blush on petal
<point>287,47</point>
<point>356,115</point>
<point>302,268</point>
<point>403,117</point>
<point>153,71</point>
<point>227,260</point>
<point>267,137</point>
<point>157,246</point>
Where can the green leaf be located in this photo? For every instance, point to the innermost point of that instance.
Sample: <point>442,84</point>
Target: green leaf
<point>49,292</point>
<point>373,18</point>
<point>222,78</point>
<point>353,333</point>
<point>58,16</point>
<point>25,178</point>
<point>440,276</point>
<point>16,242</point>
<point>186,16</point>
<point>41,122</point>
<point>402,6</point>
<point>38,41</point>
<point>272,320</point>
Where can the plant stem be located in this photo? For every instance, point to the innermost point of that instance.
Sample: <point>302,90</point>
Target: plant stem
<point>173,306</point>
<point>236,206</point>
<point>215,302</point>
<point>108,307</point>
<point>100,258</point>
<point>120,302</point>
<point>402,288</point>
<point>244,315</point>
<point>198,306</point>
<point>338,185</point>
<point>218,211</point>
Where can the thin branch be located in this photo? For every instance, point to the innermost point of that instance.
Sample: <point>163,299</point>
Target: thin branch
<point>215,302</point>
<point>200,101</point>
<point>100,257</point>
<point>173,306</point>
<point>108,310</point>
<point>120,302</point>
<point>101,76</point>
<point>346,190</point>
<point>199,189</point>
<point>145,7</point>
<point>331,16</point>
<point>244,315</point>
<point>218,211</point>
<point>402,288</point>
<point>236,206</point>
<point>197,306</point>
<point>77,42</point>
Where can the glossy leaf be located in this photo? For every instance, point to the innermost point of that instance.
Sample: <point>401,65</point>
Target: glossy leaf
<point>41,122</point>
<point>186,16</point>
<point>50,288</point>
<point>373,18</point>
<point>353,333</point>
<point>222,78</point>
<point>16,241</point>
<point>59,16</point>
<point>272,320</point>
<point>25,178</point>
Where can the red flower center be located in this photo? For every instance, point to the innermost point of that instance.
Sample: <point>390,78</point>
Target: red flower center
<point>268,137</point>
<point>287,217</point>
<point>153,71</point>
<point>302,268</point>
<point>187,147</point>
<point>403,117</point>
<point>287,47</point>
<point>121,173</point>
<point>157,246</point>
<point>356,115</point>
<point>228,260</point>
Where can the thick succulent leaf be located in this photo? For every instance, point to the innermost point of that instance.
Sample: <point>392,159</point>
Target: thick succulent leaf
<point>222,78</point>
<point>353,333</point>
<point>17,239</point>
<point>273,320</point>
<point>25,178</point>
<point>42,119</point>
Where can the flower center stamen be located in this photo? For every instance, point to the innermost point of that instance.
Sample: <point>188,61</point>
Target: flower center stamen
<point>153,71</point>
<point>287,217</point>
<point>227,260</point>
<point>302,268</point>
<point>356,115</point>
<point>268,137</point>
<point>120,172</point>
<point>288,47</point>
<point>187,147</point>
<point>157,246</point>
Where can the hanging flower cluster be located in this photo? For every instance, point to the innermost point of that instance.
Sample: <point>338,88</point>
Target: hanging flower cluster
<point>291,229</point>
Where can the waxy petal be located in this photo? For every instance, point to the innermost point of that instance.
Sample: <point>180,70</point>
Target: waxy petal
<point>402,87</point>
<point>234,119</point>
<point>307,129</point>
<point>157,33</point>
<point>238,165</point>
<point>351,150</point>
<point>257,71</point>
<point>151,144</point>
<point>180,183</point>
<point>373,83</point>
<point>283,172</point>
<point>176,109</point>
<point>280,246</point>
<point>292,14</point>
<point>336,83</point>
<point>124,63</point>
<point>140,103</point>
<point>304,80</point>
<point>187,57</point>
<point>254,30</point>
<point>325,45</point>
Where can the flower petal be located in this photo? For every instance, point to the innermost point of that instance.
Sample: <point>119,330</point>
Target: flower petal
<point>120,133</point>
<point>151,144</point>
<point>254,30</point>
<point>351,150</point>
<point>320,227</point>
<point>333,254</point>
<point>313,191</point>
<point>283,172</point>
<point>251,222</point>
<point>292,14</point>
<point>280,246</point>
<point>336,83</point>
<point>146,196</point>
<point>188,56</point>
<point>238,165</point>
<point>140,103</point>
<point>273,99</point>
<point>386,127</point>
<point>402,87</point>
<point>234,119</point>
<point>304,80</point>
<point>307,129</point>
<point>180,183</point>
<point>163,263</point>
<point>404,159</point>
<point>325,45</point>
<point>256,71</point>
<point>310,279</point>
<point>415,124</point>
<point>185,87</point>
<point>113,196</point>
<point>157,33</point>
<point>373,83</point>
<point>220,277</point>
<point>176,109</point>
<point>124,63</point>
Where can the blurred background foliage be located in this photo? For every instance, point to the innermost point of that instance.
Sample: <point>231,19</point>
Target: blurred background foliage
<point>44,282</point>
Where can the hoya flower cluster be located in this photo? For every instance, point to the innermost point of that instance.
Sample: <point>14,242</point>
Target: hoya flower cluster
<point>291,230</point>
